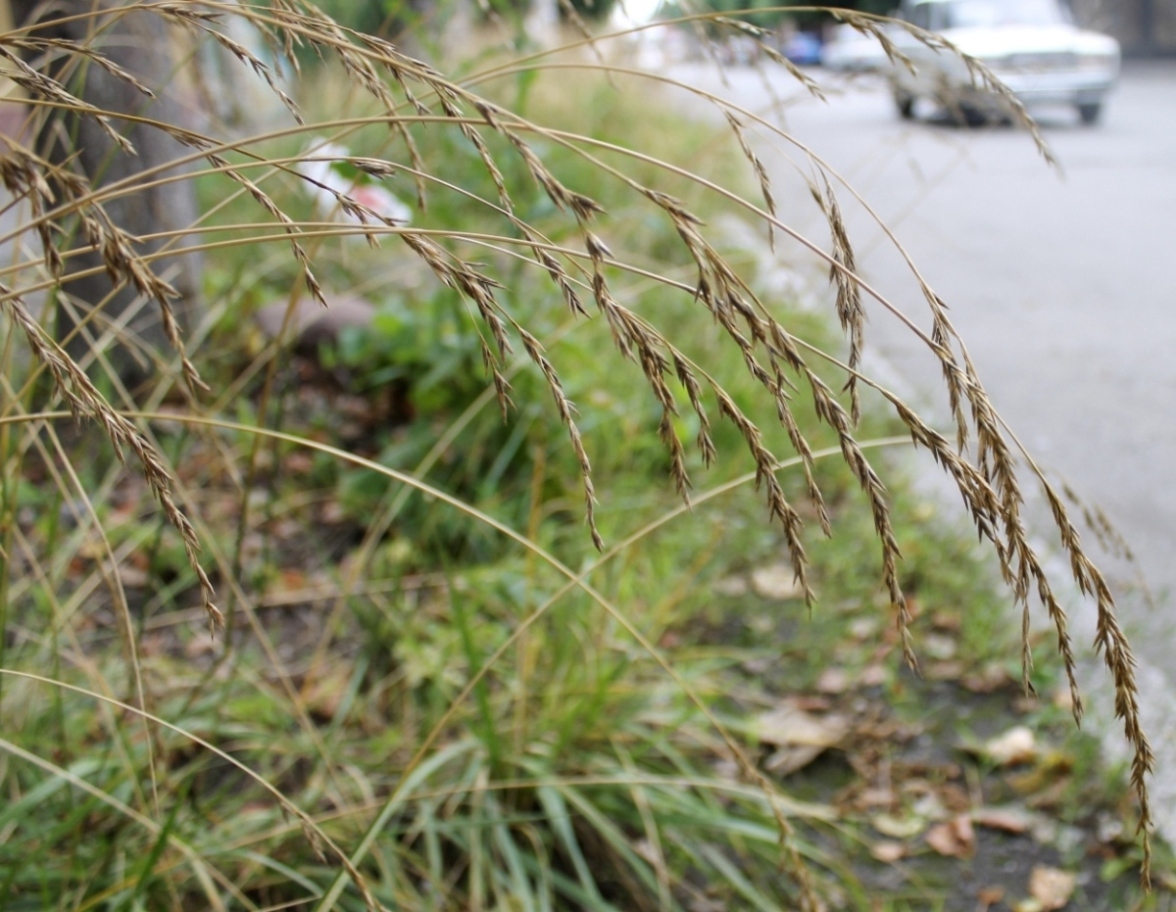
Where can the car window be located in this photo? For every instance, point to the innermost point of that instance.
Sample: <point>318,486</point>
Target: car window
<point>992,13</point>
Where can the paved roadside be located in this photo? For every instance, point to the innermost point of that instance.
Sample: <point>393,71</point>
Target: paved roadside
<point>1061,284</point>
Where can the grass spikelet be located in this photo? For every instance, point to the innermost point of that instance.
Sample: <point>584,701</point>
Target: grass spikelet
<point>84,399</point>
<point>872,27</point>
<point>849,304</point>
<point>779,509</point>
<point>761,172</point>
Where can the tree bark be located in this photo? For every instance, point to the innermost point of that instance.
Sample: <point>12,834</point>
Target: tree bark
<point>140,43</point>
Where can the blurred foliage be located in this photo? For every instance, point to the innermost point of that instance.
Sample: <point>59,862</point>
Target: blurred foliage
<point>769,14</point>
<point>386,18</point>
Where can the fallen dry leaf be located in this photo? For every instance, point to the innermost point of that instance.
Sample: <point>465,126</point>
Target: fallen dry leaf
<point>899,827</point>
<point>870,798</point>
<point>955,839</point>
<point>787,760</point>
<point>798,736</point>
<point>864,628</point>
<point>1017,745</point>
<point>873,676</point>
<point>1005,819</point>
<point>939,646</point>
<point>1052,887</point>
<point>945,671</point>
<point>992,676</point>
<point>834,681</point>
<point>888,851</point>
<point>989,896</point>
<point>790,725</point>
<point>777,582</point>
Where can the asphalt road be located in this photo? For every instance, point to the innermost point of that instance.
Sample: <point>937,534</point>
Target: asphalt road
<point>1062,285</point>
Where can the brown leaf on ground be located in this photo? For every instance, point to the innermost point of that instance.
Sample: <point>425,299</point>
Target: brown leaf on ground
<point>1006,819</point>
<point>939,646</point>
<point>955,839</point>
<point>944,671</point>
<point>790,724</point>
<point>1017,745</point>
<point>864,628</point>
<point>873,676</point>
<point>873,798</point>
<point>777,582</point>
<point>888,851</point>
<point>798,735</point>
<point>991,677</point>
<point>954,798</point>
<point>834,681</point>
<point>989,897</point>
<point>1052,887</point>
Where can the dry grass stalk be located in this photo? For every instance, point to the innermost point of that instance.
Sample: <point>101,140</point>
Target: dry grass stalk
<point>83,399</point>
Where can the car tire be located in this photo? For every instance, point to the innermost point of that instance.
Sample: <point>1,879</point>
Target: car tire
<point>970,115</point>
<point>905,104</point>
<point>1090,112</point>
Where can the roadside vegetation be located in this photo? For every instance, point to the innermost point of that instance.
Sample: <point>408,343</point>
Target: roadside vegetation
<point>565,567</point>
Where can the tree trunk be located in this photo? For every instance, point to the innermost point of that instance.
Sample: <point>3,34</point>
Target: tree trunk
<point>140,43</point>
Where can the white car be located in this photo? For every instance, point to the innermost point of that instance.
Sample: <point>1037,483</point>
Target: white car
<point>850,51</point>
<point>1032,46</point>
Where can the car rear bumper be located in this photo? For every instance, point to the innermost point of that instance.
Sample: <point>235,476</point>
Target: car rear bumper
<point>1062,88</point>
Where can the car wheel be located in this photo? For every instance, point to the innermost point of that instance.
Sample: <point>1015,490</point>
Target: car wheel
<point>969,115</point>
<point>1090,112</point>
<point>905,104</point>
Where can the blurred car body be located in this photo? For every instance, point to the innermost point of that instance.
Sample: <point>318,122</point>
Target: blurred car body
<point>1032,46</point>
<point>803,48</point>
<point>850,51</point>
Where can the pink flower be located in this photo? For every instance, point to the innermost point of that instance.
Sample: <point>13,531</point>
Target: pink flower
<point>326,183</point>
